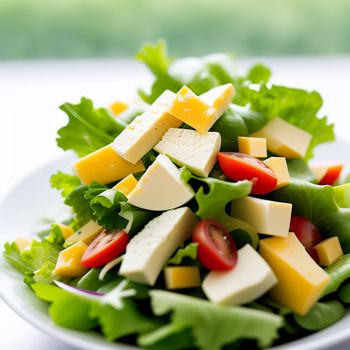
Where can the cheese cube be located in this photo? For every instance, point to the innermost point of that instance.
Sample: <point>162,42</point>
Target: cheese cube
<point>248,280</point>
<point>146,130</point>
<point>329,251</point>
<point>284,139</point>
<point>118,107</point>
<point>180,277</point>
<point>161,187</point>
<point>105,166</point>
<point>148,251</point>
<point>219,97</point>
<point>23,243</point>
<point>68,262</point>
<point>300,280</point>
<point>126,185</point>
<point>268,217</point>
<point>190,109</point>
<point>86,234</point>
<point>319,171</point>
<point>254,146</point>
<point>279,166</point>
<point>189,148</point>
<point>66,230</point>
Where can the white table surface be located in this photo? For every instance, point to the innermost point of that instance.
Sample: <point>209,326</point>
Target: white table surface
<point>30,93</point>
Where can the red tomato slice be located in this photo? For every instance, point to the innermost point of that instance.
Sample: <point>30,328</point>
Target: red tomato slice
<point>216,248</point>
<point>240,166</point>
<point>307,233</point>
<point>104,248</point>
<point>332,174</point>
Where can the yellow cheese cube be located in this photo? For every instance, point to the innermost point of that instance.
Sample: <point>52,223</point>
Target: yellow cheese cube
<point>23,243</point>
<point>190,109</point>
<point>268,217</point>
<point>86,234</point>
<point>118,107</point>
<point>219,97</point>
<point>66,230</point>
<point>300,280</point>
<point>126,185</point>
<point>68,262</point>
<point>284,139</point>
<point>254,146</point>
<point>329,251</point>
<point>279,166</point>
<point>179,277</point>
<point>105,166</point>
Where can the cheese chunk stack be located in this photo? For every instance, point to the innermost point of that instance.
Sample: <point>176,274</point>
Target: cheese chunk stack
<point>248,280</point>
<point>300,280</point>
<point>147,253</point>
<point>189,148</point>
<point>201,112</point>
<point>105,166</point>
<point>284,139</point>
<point>161,187</point>
<point>268,217</point>
<point>146,130</point>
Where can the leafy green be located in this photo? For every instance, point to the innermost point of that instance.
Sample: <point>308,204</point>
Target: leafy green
<point>258,74</point>
<point>13,256</point>
<point>55,237</point>
<point>212,325</point>
<point>298,169</point>
<point>212,205</point>
<point>317,203</point>
<point>190,251</point>
<point>344,293</point>
<point>88,129</point>
<point>45,273</point>
<point>65,183</point>
<point>322,315</point>
<point>296,106</point>
<point>342,195</point>
<point>339,272</point>
<point>90,280</point>
<point>237,121</point>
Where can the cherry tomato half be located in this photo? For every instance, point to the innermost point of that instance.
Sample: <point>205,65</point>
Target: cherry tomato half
<point>332,174</point>
<point>216,248</point>
<point>104,248</point>
<point>240,166</point>
<point>307,233</point>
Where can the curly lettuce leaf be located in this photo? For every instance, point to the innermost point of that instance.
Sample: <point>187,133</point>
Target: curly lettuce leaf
<point>65,183</point>
<point>190,251</point>
<point>211,324</point>
<point>322,315</point>
<point>13,256</point>
<point>88,129</point>
<point>55,237</point>
<point>296,106</point>
<point>212,205</point>
<point>318,204</point>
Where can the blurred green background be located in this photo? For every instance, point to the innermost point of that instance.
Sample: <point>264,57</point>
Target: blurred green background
<point>117,28</point>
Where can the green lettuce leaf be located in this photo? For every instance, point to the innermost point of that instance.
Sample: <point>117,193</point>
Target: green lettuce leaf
<point>13,256</point>
<point>212,205</point>
<point>55,237</point>
<point>88,129</point>
<point>318,204</point>
<point>298,169</point>
<point>190,251</point>
<point>212,325</point>
<point>65,183</point>
<point>322,315</point>
<point>45,274</point>
<point>296,106</point>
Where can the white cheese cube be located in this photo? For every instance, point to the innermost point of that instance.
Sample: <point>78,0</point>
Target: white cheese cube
<point>251,278</point>
<point>147,253</point>
<point>161,187</point>
<point>284,139</point>
<point>267,217</point>
<point>279,166</point>
<point>143,133</point>
<point>189,148</point>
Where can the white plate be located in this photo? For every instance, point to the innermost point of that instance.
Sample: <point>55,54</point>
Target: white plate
<point>22,212</point>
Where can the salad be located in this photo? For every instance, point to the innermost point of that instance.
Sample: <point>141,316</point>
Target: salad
<point>197,219</point>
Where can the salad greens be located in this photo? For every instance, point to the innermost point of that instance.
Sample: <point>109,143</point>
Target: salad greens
<point>150,316</point>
